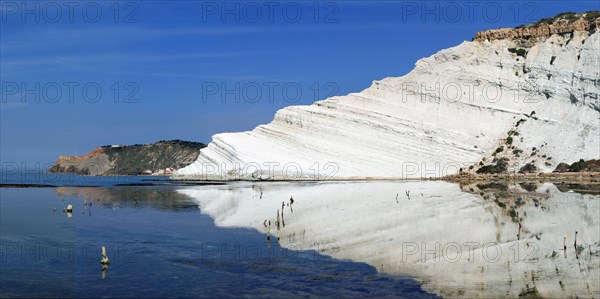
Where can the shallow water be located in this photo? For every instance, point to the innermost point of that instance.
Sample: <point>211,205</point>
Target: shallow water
<point>58,179</point>
<point>159,246</point>
<point>410,239</point>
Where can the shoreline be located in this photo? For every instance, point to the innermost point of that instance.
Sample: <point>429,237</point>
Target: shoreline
<point>588,178</point>
<point>592,178</point>
<point>554,177</point>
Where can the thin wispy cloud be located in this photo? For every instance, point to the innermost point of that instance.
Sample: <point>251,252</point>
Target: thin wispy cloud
<point>12,101</point>
<point>98,62</point>
<point>68,36</point>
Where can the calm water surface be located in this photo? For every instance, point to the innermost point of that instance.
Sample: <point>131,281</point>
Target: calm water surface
<point>159,245</point>
<point>382,239</point>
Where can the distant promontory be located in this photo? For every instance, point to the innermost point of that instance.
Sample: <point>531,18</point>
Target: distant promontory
<point>160,158</point>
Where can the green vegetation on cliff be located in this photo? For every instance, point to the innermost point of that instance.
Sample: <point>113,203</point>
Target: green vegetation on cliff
<point>566,17</point>
<point>499,167</point>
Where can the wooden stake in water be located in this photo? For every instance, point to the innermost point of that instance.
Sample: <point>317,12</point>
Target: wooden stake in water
<point>282,220</point>
<point>269,235</point>
<point>277,219</point>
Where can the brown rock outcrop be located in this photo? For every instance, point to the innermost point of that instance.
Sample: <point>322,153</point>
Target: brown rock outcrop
<point>561,24</point>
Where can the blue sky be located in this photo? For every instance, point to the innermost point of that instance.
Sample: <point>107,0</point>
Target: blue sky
<point>163,68</point>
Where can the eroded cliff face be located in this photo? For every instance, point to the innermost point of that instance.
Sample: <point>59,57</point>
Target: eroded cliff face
<point>96,162</point>
<point>566,23</point>
<point>524,100</point>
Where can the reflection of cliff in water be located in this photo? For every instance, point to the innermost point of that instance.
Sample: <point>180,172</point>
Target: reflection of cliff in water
<point>579,188</point>
<point>159,198</point>
<point>473,241</point>
<point>593,189</point>
<point>514,199</point>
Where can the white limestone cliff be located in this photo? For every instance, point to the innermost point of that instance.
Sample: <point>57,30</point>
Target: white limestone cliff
<point>455,108</point>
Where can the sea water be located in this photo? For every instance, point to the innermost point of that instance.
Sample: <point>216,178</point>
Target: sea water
<point>160,244</point>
